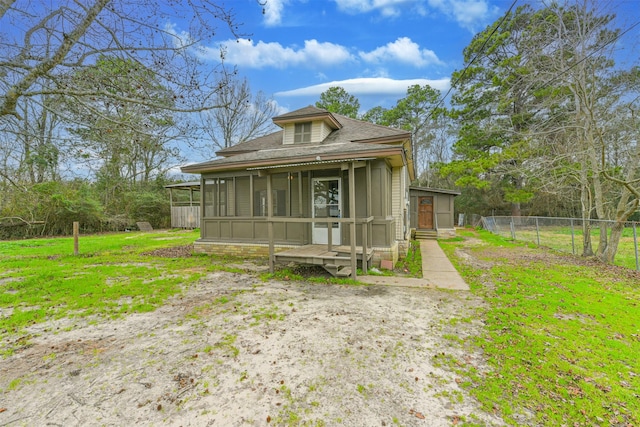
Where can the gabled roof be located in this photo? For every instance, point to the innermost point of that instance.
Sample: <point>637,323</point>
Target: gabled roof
<point>261,143</point>
<point>306,114</point>
<point>350,138</point>
<point>351,130</point>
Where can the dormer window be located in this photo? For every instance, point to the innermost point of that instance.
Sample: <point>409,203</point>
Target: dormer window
<point>302,132</point>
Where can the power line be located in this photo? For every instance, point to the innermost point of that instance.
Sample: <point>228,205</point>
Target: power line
<point>473,59</point>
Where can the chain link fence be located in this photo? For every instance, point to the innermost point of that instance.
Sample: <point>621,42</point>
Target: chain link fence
<point>565,234</point>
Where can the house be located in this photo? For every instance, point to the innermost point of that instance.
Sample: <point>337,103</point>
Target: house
<point>431,213</point>
<point>326,189</point>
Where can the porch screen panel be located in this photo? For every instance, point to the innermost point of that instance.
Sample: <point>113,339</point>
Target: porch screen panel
<point>294,195</point>
<point>280,186</point>
<point>243,197</point>
<point>231,197</point>
<point>224,196</point>
<point>260,196</point>
<point>210,196</point>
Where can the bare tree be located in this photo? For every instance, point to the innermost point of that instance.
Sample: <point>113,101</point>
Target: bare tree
<point>244,117</point>
<point>42,40</point>
<point>42,43</point>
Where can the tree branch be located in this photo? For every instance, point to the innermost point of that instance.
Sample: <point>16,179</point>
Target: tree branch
<point>8,106</point>
<point>4,6</point>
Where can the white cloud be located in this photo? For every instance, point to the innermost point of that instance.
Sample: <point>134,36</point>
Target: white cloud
<point>273,12</point>
<point>368,86</point>
<point>386,7</point>
<point>244,52</point>
<point>470,14</point>
<point>180,39</point>
<point>402,50</point>
<point>315,54</point>
<point>280,109</point>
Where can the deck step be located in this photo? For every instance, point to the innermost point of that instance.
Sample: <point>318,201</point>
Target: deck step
<point>344,272</point>
<point>426,235</point>
<point>338,270</point>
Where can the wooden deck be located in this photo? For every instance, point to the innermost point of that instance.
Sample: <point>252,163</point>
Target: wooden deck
<point>336,261</point>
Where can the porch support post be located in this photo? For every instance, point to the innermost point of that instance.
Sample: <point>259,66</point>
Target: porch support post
<point>352,223</point>
<point>202,202</point>
<point>270,225</point>
<point>171,207</point>
<point>300,212</point>
<point>369,227</point>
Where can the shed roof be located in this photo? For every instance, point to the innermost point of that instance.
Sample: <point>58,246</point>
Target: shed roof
<point>434,190</point>
<point>191,185</point>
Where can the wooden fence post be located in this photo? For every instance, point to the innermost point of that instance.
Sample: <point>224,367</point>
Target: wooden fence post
<point>76,231</point>
<point>635,245</point>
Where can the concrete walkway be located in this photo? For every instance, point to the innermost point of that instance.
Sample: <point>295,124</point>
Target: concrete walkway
<point>437,272</point>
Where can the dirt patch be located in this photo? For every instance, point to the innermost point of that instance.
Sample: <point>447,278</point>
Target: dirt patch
<point>472,261</point>
<point>235,351</point>
<point>172,252</point>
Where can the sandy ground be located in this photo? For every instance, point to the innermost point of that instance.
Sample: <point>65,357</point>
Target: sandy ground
<point>234,351</point>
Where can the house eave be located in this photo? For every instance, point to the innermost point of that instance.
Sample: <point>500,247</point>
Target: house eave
<point>384,152</point>
<point>385,139</point>
<point>327,117</point>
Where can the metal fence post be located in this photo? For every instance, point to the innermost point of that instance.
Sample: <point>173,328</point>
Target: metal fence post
<point>573,239</point>
<point>537,231</point>
<point>635,245</point>
<point>513,230</point>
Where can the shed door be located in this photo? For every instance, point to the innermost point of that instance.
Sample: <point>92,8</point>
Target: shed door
<point>425,212</point>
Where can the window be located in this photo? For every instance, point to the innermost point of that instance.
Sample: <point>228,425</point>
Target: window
<point>302,132</point>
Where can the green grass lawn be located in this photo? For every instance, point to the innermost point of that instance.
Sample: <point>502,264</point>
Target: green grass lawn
<point>559,238</point>
<point>562,336</point>
<point>41,279</point>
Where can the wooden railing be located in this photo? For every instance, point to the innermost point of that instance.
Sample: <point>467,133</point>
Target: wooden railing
<point>366,236</point>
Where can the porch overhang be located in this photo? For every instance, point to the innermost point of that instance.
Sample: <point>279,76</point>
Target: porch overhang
<point>307,165</point>
<point>284,158</point>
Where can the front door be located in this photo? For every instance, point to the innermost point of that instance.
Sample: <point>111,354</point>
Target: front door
<point>425,212</point>
<point>326,204</point>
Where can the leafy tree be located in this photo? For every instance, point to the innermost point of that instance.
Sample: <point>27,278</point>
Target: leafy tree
<point>127,143</point>
<point>375,115</point>
<point>337,100</point>
<point>540,114</point>
<point>494,105</point>
<point>580,40</point>
<point>418,113</point>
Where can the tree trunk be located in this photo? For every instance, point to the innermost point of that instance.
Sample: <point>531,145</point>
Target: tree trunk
<point>598,197</point>
<point>585,201</point>
<point>625,209</point>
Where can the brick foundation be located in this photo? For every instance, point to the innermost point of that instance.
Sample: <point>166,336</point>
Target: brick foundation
<point>254,250</point>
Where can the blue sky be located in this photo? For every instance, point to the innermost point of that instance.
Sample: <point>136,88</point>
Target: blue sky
<point>375,49</point>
